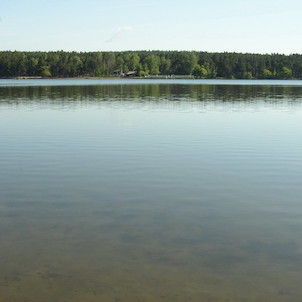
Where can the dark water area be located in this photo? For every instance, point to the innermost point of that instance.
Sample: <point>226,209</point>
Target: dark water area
<point>150,191</point>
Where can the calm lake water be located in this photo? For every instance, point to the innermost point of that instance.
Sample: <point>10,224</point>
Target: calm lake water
<point>150,191</point>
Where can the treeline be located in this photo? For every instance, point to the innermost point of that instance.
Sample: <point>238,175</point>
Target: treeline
<point>144,63</point>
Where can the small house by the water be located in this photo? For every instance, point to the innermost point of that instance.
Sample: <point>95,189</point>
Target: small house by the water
<point>131,74</point>
<point>118,73</point>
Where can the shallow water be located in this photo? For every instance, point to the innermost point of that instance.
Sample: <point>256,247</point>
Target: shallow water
<point>150,191</point>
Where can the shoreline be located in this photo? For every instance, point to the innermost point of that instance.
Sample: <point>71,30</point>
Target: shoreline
<point>100,78</point>
<point>140,78</point>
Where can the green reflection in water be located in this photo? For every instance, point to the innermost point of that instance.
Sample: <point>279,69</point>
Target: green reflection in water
<point>155,91</point>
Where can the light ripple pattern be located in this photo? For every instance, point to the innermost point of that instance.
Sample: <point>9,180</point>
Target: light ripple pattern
<point>150,191</point>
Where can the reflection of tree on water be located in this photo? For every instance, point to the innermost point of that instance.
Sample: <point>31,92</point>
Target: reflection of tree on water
<point>154,92</point>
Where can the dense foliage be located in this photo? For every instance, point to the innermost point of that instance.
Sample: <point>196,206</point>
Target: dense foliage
<point>197,64</point>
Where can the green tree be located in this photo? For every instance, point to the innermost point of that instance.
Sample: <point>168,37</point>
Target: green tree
<point>108,63</point>
<point>165,65</point>
<point>45,71</point>
<point>152,62</point>
<point>286,73</point>
<point>184,62</point>
<point>75,64</point>
<point>33,64</point>
<point>267,74</point>
<point>54,62</point>
<point>120,64</point>
<point>199,72</point>
<point>247,75</point>
<point>132,61</point>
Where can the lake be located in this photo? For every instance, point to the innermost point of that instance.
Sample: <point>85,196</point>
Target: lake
<point>150,190</point>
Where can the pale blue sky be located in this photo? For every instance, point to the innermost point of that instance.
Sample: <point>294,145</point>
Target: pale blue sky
<point>256,26</point>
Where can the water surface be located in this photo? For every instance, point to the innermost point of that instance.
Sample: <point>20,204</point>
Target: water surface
<point>150,191</point>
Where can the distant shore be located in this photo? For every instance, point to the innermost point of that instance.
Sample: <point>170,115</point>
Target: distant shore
<point>137,78</point>
<point>99,78</point>
<point>149,64</point>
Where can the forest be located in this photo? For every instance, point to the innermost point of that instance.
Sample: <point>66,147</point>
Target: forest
<point>150,63</point>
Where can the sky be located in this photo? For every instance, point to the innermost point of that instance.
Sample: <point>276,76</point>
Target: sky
<point>253,26</point>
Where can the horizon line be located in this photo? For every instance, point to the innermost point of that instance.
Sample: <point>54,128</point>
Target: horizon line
<point>155,50</point>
